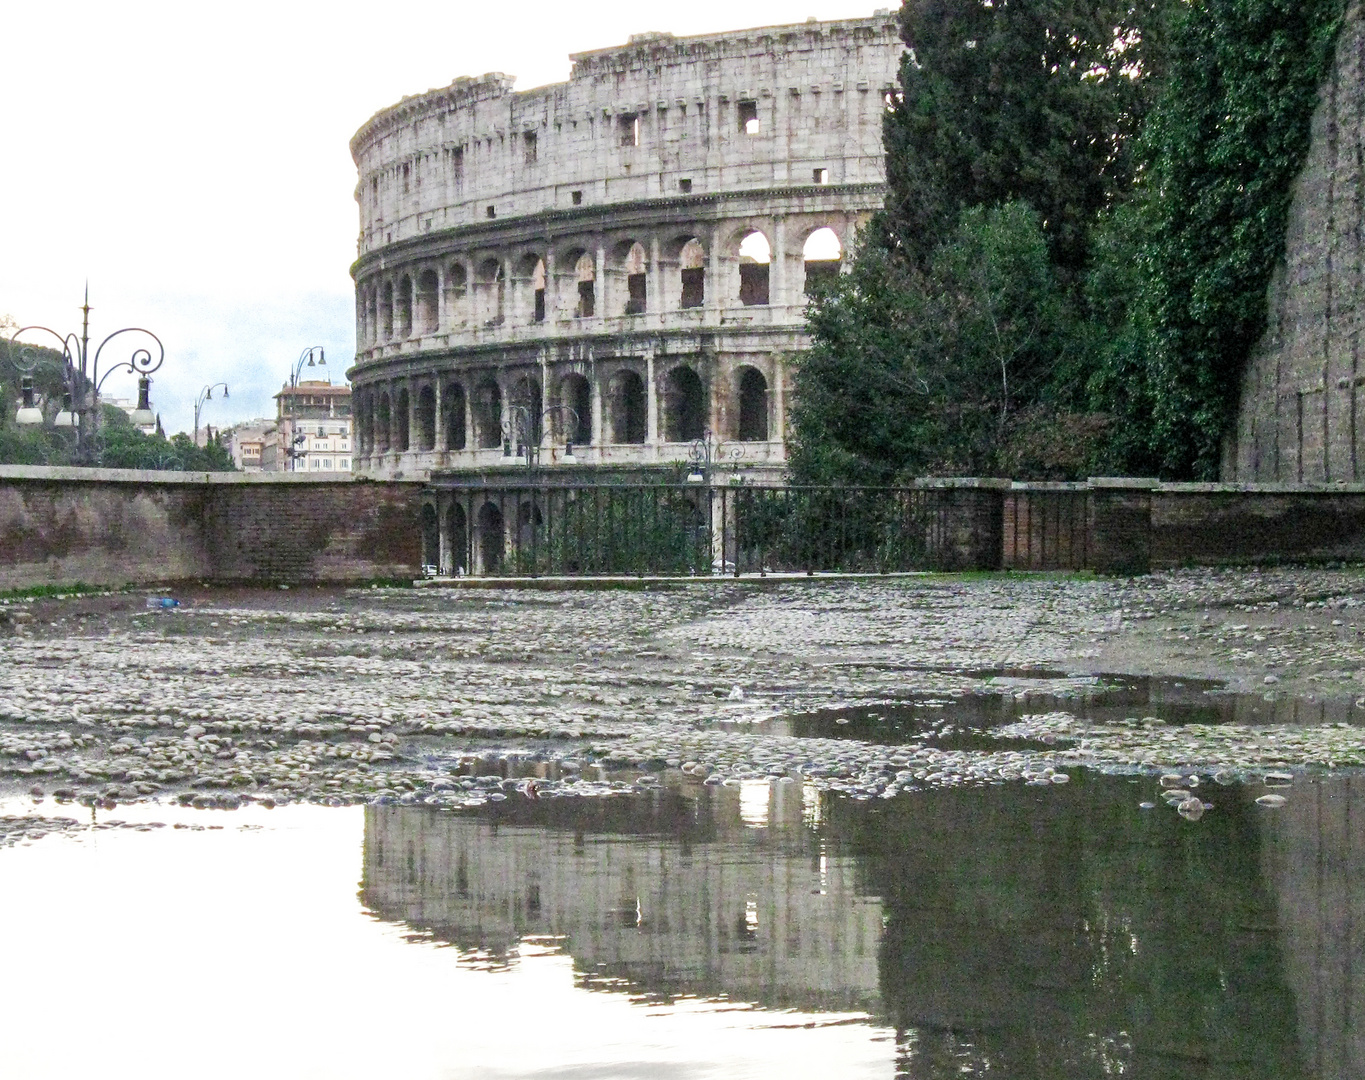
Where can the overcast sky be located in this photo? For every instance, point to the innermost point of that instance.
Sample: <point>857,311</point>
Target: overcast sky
<point>191,160</point>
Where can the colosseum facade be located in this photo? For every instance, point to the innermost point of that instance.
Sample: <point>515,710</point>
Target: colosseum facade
<point>618,263</point>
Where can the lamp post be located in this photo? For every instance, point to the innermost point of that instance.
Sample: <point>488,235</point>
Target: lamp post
<point>205,394</point>
<point>520,425</point>
<point>83,379</point>
<point>308,355</point>
<point>699,455</point>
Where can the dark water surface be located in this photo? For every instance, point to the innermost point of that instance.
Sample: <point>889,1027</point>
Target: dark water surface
<point>734,931</point>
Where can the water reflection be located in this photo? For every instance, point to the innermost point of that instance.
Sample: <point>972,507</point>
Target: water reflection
<point>1002,930</point>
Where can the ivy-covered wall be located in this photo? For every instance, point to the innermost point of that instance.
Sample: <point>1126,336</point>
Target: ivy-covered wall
<point>1301,416</point>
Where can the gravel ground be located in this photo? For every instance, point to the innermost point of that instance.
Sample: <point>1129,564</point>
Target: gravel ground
<point>457,696</point>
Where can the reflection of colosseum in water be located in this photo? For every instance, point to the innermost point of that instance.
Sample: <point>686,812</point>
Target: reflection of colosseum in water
<point>626,254</point>
<point>758,914</point>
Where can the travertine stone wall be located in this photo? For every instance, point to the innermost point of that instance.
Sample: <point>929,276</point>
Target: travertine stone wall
<point>575,249</point>
<point>1302,411</point>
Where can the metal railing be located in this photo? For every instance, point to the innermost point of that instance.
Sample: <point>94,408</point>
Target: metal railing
<point>683,530</point>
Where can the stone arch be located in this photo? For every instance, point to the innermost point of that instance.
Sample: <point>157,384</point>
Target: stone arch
<point>456,539</point>
<point>431,537</point>
<point>488,414</point>
<point>386,311</point>
<point>492,543</point>
<point>692,274</point>
<point>585,282</point>
<point>457,294</point>
<point>428,305</point>
<point>752,389</point>
<point>821,257</point>
<point>402,434</point>
<point>684,405</point>
<point>364,422</point>
<point>628,279</point>
<point>524,288</point>
<point>453,414</point>
<point>575,392</point>
<point>402,302</point>
<point>754,255</point>
<point>628,407</point>
<point>490,292</point>
<point>383,423</point>
<point>426,418</point>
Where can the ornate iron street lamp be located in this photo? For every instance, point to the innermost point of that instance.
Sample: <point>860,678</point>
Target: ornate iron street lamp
<point>518,430</point>
<point>699,455</point>
<point>308,355</point>
<point>83,379</point>
<point>205,394</point>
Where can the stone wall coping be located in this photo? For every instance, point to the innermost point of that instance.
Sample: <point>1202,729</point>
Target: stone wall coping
<point>66,473</point>
<point>1134,483</point>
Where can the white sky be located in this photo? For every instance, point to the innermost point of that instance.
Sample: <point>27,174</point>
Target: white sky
<point>192,160</point>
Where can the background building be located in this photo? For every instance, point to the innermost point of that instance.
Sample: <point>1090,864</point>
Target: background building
<point>627,255</point>
<point>312,429</point>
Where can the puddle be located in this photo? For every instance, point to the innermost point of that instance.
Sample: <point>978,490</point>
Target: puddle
<point>956,721</point>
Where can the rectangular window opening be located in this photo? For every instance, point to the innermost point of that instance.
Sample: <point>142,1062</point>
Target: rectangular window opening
<point>577,198</point>
<point>628,127</point>
<point>586,299</point>
<point>457,163</point>
<point>693,287</point>
<point>491,211</point>
<point>748,118</point>
<point>635,288</point>
<point>822,176</point>
<point>528,142</point>
<point>540,305</point>
<point>685,185</point>
<point>407,178</point>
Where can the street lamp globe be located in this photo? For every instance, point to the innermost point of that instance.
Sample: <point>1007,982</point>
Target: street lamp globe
<point>143,416</point>
<point>66,418</point>
<point>28,413</point>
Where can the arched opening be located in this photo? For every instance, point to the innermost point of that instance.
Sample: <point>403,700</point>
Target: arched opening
<point>634,268</point>
<point>386,311</point>
<point>526,412</point>
<point>431,537</point>
<point>452,420</point>
<point>538,292</point>
<point>372,322</point>
<point>426,419</point>
<point>575,393</point>
<point>383,424</point>
<point>524,289</point>
<point>403,307</point>
<point>628,408</point>
<point>457,291</point>
<point>822,254</point>
<point>402,434</point>
<point>492,292</point>
<point>753,406</point>
<point>457,540</point>
<point>585,273</point>
<point>364,424</point>
<point>488,415</point>
<point>692,267</point>
<point>491,540</point>
<point>428,288</point>
<point>755,254</point>
<point>684,406</point>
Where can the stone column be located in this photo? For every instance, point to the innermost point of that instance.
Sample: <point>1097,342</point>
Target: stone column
<point>777,269</point>
<point>413,440</point>
<point>715,283</point>
<point>651,403</point>
<point>599,288</point>
<point>441,439</point>
<point>654,294</point>
<point>441,299</point>
<point>551,285</point>
<point>599,434</point>
<point>778,431</point>
<point>546,400</point>
<point>470,442</point>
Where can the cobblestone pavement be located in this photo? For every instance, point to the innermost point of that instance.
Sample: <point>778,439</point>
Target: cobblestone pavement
<point>454,696</point>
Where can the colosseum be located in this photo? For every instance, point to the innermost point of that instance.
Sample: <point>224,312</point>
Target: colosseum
<point>611,273</point>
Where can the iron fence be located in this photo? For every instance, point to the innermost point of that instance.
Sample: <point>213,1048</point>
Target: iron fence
<point>683,529</point>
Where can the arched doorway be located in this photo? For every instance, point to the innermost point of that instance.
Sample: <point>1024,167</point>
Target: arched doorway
<point>822,255</point>
<point>426,419</point>
<point>684,406</point>
<point>629,421</point>
<point>753,406</point>
<point>491,540</point>
<point>457,540</point>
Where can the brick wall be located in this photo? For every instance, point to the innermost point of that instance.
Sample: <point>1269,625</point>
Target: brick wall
<point>113,527</point>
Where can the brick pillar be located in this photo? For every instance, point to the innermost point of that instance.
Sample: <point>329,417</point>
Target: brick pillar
<point>1119,525</point>
<point>970,513</point>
